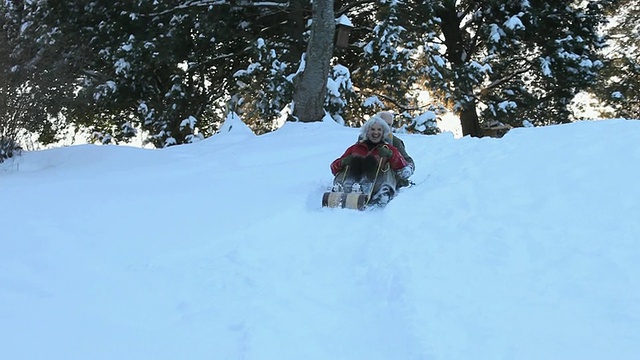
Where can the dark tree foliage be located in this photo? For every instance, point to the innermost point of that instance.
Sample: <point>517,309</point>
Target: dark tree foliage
<point>514,60</point>
<point>163,67</point>
<point>151,67</point>
<point>173,69</point>
<point>35,76</point>
<point>487,60</point>
<point>619,87</point>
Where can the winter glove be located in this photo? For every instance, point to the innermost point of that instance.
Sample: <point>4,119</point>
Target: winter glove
<point>385,152</point>
<point>405,172</point>
<point>346,160</point>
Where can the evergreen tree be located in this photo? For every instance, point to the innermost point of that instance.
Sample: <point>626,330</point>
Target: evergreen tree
<point>35,75</point>
<point>390,54</point>
<point>340,94</point>
<point>262,90</point>
<point>512,60</point>
<point>163,67</point>
<point>146,71</point>
<point>619,86</point>
<point>383,58</point>
<point>172,68</point>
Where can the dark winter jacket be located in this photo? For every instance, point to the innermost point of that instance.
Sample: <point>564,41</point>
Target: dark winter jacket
<point>399,144</point>
<point>365,147</point>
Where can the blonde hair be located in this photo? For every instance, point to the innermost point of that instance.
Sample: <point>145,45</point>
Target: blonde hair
<point>376,119</point>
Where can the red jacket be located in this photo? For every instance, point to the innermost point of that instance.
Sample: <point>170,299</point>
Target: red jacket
<point>396,160</point>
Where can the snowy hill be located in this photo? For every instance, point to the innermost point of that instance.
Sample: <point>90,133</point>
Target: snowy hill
<point>524,247</point>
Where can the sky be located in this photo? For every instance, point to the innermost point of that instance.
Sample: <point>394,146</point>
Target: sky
<point>524,247</point>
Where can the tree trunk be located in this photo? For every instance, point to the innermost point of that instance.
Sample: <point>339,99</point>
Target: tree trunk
<point>470,122</point>
<point>310,86</point>
<point>458,54</point>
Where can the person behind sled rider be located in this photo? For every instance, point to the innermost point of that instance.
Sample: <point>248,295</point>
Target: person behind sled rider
<point>372,148</point>
<point>387,116</point>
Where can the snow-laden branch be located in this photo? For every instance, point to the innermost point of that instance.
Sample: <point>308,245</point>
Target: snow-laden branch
<point>506,78</point>
<point>210,3</point>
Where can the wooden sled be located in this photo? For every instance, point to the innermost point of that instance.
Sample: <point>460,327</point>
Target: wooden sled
<point>356,201</point>
<point>350,200</point>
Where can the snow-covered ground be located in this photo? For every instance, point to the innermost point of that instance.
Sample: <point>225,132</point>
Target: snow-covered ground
<point>525,247</point>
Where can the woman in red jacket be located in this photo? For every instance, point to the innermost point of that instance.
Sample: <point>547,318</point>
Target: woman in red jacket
<point>370,160</point>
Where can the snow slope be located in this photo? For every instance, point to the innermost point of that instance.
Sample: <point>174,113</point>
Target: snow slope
<point>524,247</point>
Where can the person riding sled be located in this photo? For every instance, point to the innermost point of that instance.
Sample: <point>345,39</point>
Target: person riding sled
<point>387,116</point>
<point>372,163</point>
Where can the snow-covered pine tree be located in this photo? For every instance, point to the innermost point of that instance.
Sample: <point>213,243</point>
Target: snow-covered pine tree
<point>148,66</point>
<point>340,93</point>
<point>263,89</point>
<point>511,60</point>
<point>91,34</point>
<point>424,123</point>
<point>149,75</point>
<point>619,85</point>
<point>390,55</point>
<point>36,80</point>
<point>389,77</point>
<point>166,67</point>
